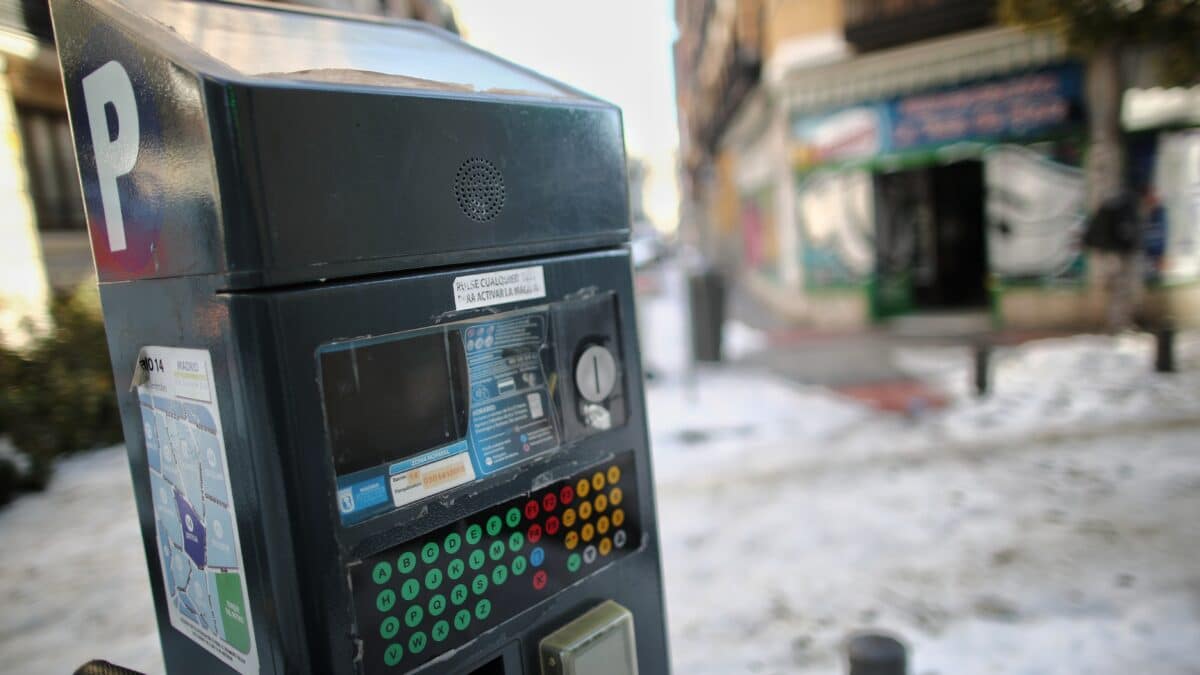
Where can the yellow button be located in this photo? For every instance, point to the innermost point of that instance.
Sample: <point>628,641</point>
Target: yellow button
<point>588,532</point>
<point>614,475</point>
<point>598,481</point>
<point>602,525</point>
<point>601,503</point>
<point>582,487</point>
<point>585,510</point>
<point>618,517</point>
<point>605,546</point>
<point>572,540</point>
<point>616,496</point>
<point>568,517</point>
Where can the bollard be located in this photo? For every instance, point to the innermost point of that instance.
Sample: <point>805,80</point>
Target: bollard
<point>983,360</point>
<point>1164,350</point>
<point>706,295</point>
<point>876,654</point>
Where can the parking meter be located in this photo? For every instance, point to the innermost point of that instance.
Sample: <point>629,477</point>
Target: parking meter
<point>369,302</point>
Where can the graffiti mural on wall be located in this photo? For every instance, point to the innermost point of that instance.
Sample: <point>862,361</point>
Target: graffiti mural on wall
<point>835,214</point>
<point>760,241</point>
<point>1035,214</point>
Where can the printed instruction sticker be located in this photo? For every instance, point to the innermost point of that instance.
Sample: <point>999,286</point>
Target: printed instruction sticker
<point>195,520</point>
<point>497,288</point>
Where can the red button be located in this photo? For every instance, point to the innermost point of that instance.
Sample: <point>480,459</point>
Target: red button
<point>549,502</point>
<point>566,494</point>
<point>535,533</point>
<point>539,579</point>
<point>531,509</point>
<point>552,525</point>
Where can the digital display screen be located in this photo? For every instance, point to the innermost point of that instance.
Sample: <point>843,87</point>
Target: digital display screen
<point>390,400</point>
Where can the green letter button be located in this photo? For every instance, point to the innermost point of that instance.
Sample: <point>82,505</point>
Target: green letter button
<point>381,573</point>
<point>515,541</point>
<point>393,654</point>
<point>385,600</point>
<point>429,553</point>
<point>494,525</point>
<point>499,575</point>
<point>441,631</point>
<point>496,550</point>
<point>479,584</point>
<point>433,579</point>
<point>519,565</point>
<point>483,609</point>
<point>474,534</point>
<point>573,563</point>
<point>406,563</point>
<point>409,589</point>
<point>389,627</point>
<point>462,619</point>
<point>513,517</point>
<point>453,541</point>
<point>417,642</point>
<point>437,605</point>
<point>412,618</point>
<point>476,559</point>
<point>458,594</point>
<point>456,568</point>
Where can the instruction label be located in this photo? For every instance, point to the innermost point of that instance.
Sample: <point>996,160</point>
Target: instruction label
<point>510,392</point>
<point>497,288</point>
<point>195,519</point>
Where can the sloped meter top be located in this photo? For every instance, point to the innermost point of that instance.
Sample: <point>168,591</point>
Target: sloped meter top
<point>263,42</point>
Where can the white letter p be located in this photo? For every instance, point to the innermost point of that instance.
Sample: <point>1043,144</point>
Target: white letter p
<point>115,157</point>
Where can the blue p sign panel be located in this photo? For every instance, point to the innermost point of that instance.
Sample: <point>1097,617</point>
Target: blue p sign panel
<point>116,151</point>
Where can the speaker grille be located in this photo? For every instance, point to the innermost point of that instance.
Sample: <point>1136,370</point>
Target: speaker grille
<point>479,189</point>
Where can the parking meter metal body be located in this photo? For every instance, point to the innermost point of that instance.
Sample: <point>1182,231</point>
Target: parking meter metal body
<point>370,307</point>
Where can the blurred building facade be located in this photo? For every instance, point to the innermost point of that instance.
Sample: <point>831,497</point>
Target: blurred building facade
<point>43,237</point>
<point>857,160</point>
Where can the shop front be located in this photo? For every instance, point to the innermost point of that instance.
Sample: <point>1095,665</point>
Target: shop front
<point>939,200</point>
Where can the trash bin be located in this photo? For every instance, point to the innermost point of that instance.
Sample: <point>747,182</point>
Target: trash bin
<point>706,296</point>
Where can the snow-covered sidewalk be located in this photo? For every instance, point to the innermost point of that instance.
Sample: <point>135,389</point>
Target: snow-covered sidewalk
<point>1050,528</point>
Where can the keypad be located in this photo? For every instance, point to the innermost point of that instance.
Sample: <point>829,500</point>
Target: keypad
<point>436,593</point>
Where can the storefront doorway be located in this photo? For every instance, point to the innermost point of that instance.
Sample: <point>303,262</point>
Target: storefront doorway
<point>930,234</point>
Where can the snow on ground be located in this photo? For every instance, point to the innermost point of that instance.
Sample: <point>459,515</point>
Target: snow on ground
<point>1050,528</point>
<point>1064,557</point>
<point>73,580</point>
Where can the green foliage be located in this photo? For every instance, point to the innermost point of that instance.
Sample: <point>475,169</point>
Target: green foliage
<point>1088,25</point>
<point>58,396</point>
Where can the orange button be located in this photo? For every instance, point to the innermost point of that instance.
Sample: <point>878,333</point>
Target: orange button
<point>582,488</point>
<point>571,540</point>
<point>588,532</point>
<point>601,503</point>
<point>602,525</point>
<point>568,517</point>
<point>598,481</point>
<point>585,510</point>
<point>614,475</point>
<point>618,517</point>
<point>605,546</point>
<point>616,496</point>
